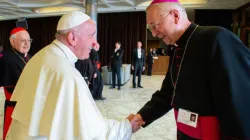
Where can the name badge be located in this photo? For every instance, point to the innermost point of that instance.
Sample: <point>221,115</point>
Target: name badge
<point>117,54</point>
<point>187,117</point>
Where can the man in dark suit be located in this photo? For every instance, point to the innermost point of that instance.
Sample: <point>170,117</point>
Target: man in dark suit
<point>116,64</point>
<point>138,63</point>
<point>150,61</point>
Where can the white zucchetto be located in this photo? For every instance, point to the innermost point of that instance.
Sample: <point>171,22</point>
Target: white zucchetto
<point>71,20</point>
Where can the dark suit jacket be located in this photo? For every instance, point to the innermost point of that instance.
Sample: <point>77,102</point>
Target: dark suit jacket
<point>135,57</point>
<point>86,69</point>
<point>116,59</point>
<point>150,59</point>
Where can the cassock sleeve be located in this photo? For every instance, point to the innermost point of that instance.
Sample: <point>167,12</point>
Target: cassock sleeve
<point>160,102</point>
<point>230,84</point>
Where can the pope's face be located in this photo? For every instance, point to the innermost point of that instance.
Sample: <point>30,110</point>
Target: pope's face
<point>86,38</point>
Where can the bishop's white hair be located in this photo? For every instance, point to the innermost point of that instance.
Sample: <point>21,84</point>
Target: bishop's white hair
<point>167,6</point>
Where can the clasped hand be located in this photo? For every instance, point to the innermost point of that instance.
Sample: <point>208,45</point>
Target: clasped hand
<point>136,122</point>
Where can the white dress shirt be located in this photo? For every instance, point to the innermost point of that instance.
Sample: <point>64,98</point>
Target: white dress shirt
<point>139,52</point>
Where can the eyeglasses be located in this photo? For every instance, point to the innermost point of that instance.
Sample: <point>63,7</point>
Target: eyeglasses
<point>24,40</point>
<point>153,26</point>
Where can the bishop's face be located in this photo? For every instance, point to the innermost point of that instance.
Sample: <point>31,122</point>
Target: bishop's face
<point>21,42</point>
<point>162,24</point>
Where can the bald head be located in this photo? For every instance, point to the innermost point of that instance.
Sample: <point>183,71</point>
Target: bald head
<point>21,41</point>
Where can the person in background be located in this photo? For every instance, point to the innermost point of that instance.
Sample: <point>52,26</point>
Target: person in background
<point>163,52</point>
<point>154,52</point>
<point>150,62</point>
<point>96,86</point>
<point>116,64</point>
<point>12,64</point>
<point>138,64</point>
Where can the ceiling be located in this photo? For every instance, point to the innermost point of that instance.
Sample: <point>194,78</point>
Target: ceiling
<point>13,9</point>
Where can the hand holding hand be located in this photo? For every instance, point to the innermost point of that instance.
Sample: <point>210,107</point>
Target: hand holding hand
<point>136,122</point>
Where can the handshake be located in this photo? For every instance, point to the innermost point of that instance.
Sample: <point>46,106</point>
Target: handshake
<point>136,122</point>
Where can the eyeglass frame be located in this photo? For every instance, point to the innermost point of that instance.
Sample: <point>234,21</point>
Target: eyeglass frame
<point>24,40</point>
<point>155,24</point>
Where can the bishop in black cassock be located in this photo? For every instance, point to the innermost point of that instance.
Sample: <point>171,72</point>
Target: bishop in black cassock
<point>12,63</point>
<point>96,86</point>
<point>208,80</point>
<point>86,69</point>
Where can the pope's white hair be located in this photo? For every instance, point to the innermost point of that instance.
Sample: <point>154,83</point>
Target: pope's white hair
<point>61,33</point>
<point>167,6</point>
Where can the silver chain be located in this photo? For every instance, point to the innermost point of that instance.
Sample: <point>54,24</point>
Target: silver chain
<point>20,57</point>
<point>178,74</point>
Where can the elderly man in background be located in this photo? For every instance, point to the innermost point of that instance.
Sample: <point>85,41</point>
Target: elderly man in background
<point>116,64</point>
<point>208,76</point>
<point>12,64</point>
<point>53,100</point>
<point>138,64</point>
<point>96,86</point>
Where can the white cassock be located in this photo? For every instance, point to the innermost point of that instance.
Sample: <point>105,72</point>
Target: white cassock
<point>54,102</point>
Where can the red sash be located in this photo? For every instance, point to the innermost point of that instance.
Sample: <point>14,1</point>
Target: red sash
<point>207,128</point>
<point>9,108</point>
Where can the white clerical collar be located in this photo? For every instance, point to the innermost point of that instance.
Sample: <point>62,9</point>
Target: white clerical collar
<point>68,53</point>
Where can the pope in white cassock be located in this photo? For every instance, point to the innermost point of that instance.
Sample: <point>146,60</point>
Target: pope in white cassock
<point>53,100</point>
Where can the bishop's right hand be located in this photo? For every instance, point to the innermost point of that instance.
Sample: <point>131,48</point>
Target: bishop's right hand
<point>136,122</point>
